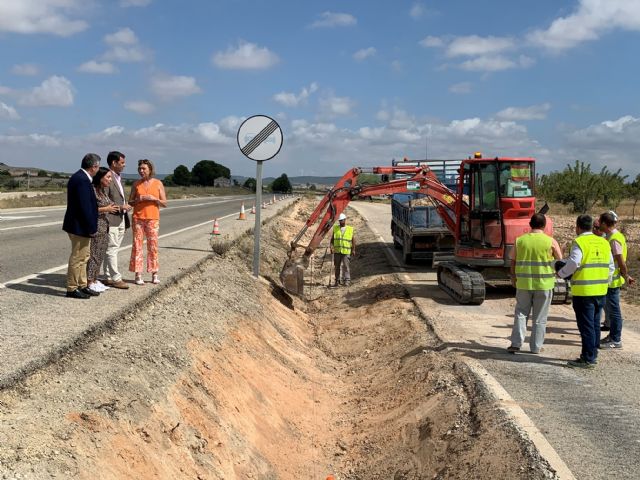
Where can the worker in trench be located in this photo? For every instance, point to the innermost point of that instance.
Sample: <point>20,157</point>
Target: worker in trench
<point>343,247</point>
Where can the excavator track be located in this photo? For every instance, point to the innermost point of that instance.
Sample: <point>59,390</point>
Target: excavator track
<point>461,283</point>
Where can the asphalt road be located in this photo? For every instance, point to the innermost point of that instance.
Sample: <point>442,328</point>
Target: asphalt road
<point>590,418</point>
<point>32,240</point>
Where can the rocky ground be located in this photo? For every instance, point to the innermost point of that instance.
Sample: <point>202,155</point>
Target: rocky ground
<point>221,376</point>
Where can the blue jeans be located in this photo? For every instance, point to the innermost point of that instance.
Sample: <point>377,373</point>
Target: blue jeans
<point>587,311</point>
<point>612,308</point>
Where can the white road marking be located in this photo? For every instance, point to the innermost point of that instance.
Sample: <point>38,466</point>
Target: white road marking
<point>22,217</point>
<point>36,225</point>
<point>49,224</point>
<point>63,267</point>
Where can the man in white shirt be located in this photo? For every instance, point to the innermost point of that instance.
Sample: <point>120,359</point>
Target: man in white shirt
<point>117,221</point>
<point>591,264</point>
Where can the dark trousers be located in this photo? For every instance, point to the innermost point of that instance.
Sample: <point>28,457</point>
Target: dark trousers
<point>588,311</point>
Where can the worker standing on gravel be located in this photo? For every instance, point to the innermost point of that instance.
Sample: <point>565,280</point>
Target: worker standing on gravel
<point>591,263</point>
<point>533,275</point>
<point>618,244</point>
<point>343,247</point>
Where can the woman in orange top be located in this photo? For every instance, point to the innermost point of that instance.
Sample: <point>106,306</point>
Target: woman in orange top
<point>147,196</point>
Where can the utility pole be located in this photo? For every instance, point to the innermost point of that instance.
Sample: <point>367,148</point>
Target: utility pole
<point>28,178</point>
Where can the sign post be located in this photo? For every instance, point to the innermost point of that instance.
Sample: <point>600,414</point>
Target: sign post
<point>259,139</point>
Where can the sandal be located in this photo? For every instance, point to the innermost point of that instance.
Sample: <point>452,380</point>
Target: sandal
<point>138,280</point>
<point>154,278</point>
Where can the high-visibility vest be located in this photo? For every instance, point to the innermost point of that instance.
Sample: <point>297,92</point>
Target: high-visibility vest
<point>617,280</point>
<point>342,242</point>
<point>591,279</point>
<point>534,262</point>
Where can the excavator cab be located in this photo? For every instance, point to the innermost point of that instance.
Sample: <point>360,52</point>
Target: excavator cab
<point>499,195</point>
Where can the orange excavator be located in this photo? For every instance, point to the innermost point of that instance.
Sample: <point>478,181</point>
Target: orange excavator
<point>489,209</point>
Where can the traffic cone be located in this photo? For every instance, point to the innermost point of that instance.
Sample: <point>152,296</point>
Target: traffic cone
<point>274,199</point>
<point>216,227</point>
<point>242,215</point>
<point>253,209</point>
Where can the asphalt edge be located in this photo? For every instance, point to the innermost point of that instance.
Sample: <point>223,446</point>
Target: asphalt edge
<point>86,336</point>
<point>515,416</point>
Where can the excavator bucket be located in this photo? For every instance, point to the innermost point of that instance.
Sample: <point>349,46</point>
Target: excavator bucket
<point>292,277</point>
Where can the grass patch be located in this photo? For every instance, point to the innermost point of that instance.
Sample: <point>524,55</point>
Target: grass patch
<point>50,200</point>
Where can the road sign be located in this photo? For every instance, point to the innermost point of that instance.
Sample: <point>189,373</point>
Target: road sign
<point>259,138</point>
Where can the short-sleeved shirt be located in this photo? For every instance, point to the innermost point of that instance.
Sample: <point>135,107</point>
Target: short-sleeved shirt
<point>146,209</point>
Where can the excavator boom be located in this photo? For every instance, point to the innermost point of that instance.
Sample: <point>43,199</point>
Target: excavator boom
<point>421,180</point>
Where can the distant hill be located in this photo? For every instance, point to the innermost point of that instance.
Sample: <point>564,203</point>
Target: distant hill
<point>301,180</point>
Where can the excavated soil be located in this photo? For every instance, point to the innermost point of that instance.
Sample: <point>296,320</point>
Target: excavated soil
<point>222,377</point>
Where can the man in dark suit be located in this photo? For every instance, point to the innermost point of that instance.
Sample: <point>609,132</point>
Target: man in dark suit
<point>81,223</point>
<point>118,222</point>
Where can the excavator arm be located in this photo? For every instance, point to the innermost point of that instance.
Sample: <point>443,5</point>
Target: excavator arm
<point>421,180</point>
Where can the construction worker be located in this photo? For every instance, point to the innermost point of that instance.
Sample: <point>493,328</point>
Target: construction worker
<point>591,263</point>
<point>343,246</point>
<point>621,276</point>
<point>533,275</point>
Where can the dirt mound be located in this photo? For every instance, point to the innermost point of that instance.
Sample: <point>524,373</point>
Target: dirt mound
<point>221,376</point>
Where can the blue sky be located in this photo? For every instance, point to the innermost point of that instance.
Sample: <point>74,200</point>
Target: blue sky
<point>352,83</point>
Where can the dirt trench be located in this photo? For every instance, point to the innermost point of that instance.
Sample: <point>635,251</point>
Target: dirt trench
<point>223,377</point>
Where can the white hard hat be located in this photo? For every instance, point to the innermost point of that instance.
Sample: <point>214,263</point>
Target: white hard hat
<point>342,217</point>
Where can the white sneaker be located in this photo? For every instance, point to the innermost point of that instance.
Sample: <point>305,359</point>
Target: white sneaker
<point>102,286</point>
<point>95,288</point>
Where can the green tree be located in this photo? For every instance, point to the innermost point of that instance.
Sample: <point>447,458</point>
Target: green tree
<point>169,181</point>
<point>206,171</point>
<point>633,191</point>
<point>42,173</point>
<point>281,184</point>
<point>250,183</point>
<point>182,176</point>
<point>5,173</point>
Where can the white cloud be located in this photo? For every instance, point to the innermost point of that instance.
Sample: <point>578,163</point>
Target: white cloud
<point>170,87</point>
<point>474,45</point>
<point>397,66</point>
<point>289,99</point>
<point>41,16</point>
<point>124,36</point>
<point>432,42</point>
<point>611,143</point>
<point>496,63</point>
<point>103,68</point>
<point>364,53</point>
<point>534,112</point>
<point>26,69</point>
<point>8,112</point>
<point>333,106</point>
<point>55,91</point>
<point>332,19</point>
<point>246,56</point>
<point>592,19</point>
<point>417,10</point>
<point>125,47</point>
<point>460,88</point>
<point>30,140</point>
<point>5,90</point>
<point>134,3</point>
<point>140,107</point>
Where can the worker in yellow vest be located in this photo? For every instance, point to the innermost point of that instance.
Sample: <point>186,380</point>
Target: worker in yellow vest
<point>618,244</point>
<point>533,274</point>
<point>591,264</point>
<point>343,247</point>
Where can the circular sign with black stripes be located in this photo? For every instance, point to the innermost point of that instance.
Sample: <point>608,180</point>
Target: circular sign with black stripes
<point>260,138</point>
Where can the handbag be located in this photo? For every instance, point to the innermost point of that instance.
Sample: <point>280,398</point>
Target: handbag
<point>127,221</point>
